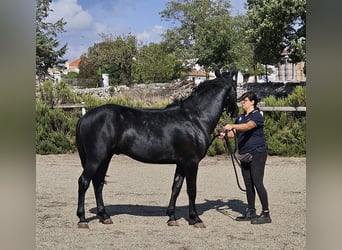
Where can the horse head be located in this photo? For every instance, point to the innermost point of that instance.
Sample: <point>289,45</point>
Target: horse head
<point>231,102</point>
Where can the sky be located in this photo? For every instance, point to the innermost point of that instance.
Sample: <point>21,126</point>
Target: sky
<point>87,19</point>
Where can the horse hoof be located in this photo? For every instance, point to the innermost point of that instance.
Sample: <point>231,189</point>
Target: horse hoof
<point>199,225</point>
<point>83,225</point>
<point>107,221</point>
<point>172,223</point>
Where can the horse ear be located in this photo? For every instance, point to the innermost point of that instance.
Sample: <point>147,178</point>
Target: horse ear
<point>233,71</point>
<point>217,73</point>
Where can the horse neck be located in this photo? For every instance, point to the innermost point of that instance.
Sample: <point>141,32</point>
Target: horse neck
<point>208,106</point>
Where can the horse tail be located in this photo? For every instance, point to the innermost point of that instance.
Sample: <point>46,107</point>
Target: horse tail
<point>79,143</point>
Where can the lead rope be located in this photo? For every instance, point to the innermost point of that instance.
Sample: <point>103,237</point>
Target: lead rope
<point>233,156</point>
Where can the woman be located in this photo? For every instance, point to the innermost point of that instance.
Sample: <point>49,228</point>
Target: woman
<point>248,128</point>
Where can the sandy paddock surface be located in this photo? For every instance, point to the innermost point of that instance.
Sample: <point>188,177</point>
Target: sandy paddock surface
<point>137,195</point>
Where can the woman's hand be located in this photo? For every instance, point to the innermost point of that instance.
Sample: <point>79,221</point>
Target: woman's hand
<point>222,134</point>
<point>228,127</point>
<point>227,131</point>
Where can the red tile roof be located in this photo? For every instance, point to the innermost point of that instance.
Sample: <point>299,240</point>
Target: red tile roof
<point>75,63</point>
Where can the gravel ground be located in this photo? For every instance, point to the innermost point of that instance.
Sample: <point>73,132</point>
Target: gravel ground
<point>137,195</point>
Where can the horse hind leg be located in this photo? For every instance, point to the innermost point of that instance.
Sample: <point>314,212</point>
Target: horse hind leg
<point>176,187</point>
<point>89,170</point>
<point>83,185</point>
<point>98,183</point>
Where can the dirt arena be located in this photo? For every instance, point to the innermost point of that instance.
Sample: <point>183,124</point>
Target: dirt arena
<point>137,195</point>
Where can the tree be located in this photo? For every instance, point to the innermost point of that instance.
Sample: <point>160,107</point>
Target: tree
<point>125,49</point>
<point>47,53</point>
<point>242,50</point>
<point>155,63</point>
<point>277,25</point>
<point>214,43</point>
<point>98,60</point>
<point>204,33</point>
<point>114,55</point>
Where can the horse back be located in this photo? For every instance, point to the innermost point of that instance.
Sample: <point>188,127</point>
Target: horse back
<point>147,135</point>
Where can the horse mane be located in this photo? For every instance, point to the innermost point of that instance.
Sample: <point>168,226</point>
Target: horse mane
<point>175,103</point>
<point>203,86</point>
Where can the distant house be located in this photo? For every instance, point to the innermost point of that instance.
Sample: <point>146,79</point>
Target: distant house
<point>289,71</point>
<point>73,66</point>
<point>285,72</point>
<point>57,72</point>
<point>198,75</point>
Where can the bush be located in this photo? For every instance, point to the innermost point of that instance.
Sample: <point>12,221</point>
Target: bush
<point>216,148</point>
<point>55,130</point>
<point>286,139</point>
<point>285,132</point>
<point>52,94</point>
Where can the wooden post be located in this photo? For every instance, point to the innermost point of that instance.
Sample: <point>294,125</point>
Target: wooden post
<point>83,109</point>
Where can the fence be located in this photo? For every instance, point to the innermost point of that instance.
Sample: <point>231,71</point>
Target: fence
<point>262,108</point>
<point>73,106</point>
<point>301,109</point>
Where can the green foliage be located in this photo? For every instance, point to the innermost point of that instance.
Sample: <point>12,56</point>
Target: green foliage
<point>155,63</point>
<point>125,62</point>
<point>70,75</point>
<point>114,56</point>
<point>286,138</point>
<point>52,94</point>
<point>205,31</point>
<point>95,62</point>
<point>48,53</point>
<point>242,50</point>
<point>285,132</point>
<point>275,25</point>
<point>55,130</point>
<point>216,148</point>
<point>92,102</point>
<point>214,42</point>
<point>297,97</point>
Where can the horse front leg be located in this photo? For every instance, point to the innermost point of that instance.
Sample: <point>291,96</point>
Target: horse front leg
<point>191,178</point>
<point>176,187</point>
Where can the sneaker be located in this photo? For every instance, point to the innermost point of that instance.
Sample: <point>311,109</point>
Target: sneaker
<point>249,215</point>
<point>262,219</point>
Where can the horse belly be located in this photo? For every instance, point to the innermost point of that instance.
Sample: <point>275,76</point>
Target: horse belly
<point>154,153</point>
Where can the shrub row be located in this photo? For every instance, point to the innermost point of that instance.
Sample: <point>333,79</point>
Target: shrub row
<point>55,128</point>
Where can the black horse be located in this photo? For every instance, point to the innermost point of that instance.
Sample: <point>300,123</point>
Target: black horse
<point>179,133</point>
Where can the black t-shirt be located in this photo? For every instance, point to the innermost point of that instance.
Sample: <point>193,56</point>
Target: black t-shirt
<point>253,139</point>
